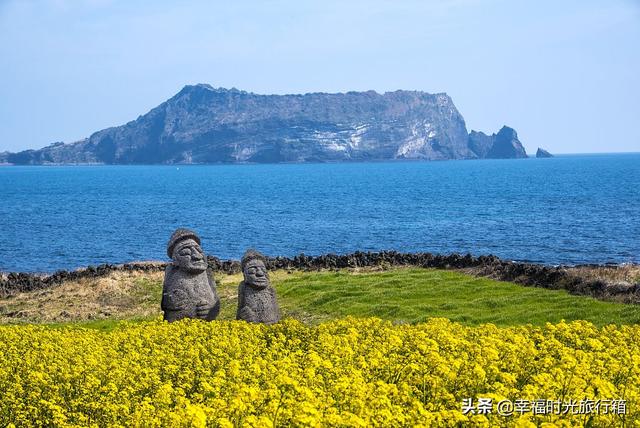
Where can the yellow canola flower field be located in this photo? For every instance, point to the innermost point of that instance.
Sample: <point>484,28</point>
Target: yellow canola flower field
<point>348,372</point>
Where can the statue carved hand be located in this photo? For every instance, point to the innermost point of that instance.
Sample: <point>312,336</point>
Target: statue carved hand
<point>247,314</point>
<point>203,309</point>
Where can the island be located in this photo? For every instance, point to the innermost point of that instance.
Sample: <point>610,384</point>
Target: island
<point>542,153</point>
<point>203,125</point>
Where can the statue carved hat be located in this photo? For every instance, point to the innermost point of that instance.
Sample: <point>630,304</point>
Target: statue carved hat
<point>252,254</point>
<point>178,236</point>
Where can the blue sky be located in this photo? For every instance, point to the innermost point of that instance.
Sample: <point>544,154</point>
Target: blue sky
<point>563,74</point>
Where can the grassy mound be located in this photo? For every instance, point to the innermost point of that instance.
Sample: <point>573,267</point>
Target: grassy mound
<point>403,295</point>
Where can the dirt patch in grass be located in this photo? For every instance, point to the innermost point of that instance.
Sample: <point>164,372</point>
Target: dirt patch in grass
<point>629,274</point>
<point>117,296</point>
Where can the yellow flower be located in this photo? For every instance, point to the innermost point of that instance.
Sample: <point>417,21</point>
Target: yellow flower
<point>348,372</point>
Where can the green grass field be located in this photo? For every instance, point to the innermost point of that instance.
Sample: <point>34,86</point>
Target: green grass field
<point>403,295</point>
<point>413,295</point>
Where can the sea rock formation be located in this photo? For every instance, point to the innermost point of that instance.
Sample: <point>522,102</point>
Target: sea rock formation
<point>503,145</point>
<point>542,153</point>
<point>189,291</point>
<point>202,124</point>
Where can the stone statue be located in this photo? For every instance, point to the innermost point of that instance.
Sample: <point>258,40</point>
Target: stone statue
<point>257,301</point>
<point>189,290</point>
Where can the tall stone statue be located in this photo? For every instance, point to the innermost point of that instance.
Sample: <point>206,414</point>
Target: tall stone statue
<point>257,301</point>
<point>189,291</point>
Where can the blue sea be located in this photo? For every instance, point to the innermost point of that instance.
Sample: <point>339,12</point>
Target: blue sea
<point>564,210</point>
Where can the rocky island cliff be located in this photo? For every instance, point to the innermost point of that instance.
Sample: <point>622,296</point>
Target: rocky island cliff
<point>542,153</point>
<point>202,124</point>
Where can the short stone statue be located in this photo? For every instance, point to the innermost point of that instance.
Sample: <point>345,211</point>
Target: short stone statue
<point>188,291</point>
<point>257,301</point>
